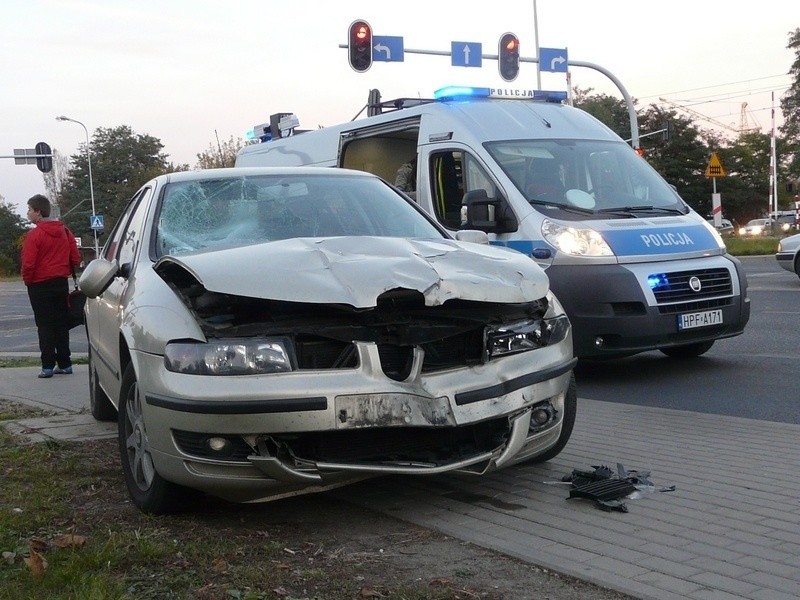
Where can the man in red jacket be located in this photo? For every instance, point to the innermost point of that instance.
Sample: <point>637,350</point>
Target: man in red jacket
<point>49,256</point>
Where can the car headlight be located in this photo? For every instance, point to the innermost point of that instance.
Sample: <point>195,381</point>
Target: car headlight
<point>230,357</point>
<point>575,241</point>
<point>529,334</point>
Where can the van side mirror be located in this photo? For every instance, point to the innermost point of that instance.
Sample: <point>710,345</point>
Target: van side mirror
<point>492,215</point>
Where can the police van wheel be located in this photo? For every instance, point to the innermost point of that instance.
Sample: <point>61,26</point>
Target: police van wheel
<point>689,350</point>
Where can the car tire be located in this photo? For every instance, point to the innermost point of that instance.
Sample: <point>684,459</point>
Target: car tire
<point>688,350</point>
<point>797,264</point>
<point>150,492</point>
<point>99,403</point>
<point>570,411</point>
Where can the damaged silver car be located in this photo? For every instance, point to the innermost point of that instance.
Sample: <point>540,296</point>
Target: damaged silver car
<point>258,333</point>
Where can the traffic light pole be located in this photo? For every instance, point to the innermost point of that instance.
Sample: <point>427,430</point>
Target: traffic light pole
<point>570,63</point>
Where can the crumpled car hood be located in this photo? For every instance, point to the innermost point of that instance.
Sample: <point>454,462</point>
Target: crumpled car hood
<point>357,270</point>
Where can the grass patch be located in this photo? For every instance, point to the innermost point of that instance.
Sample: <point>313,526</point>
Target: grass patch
<point>67,531</point>
<point>35,362</point>
<point>739,246</point>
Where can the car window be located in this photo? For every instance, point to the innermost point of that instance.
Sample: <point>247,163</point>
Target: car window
<point>237,211</point>
<point>112,246</point>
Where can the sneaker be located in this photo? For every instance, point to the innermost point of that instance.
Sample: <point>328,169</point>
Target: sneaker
<point>45,373</point>
<point>64,371</point>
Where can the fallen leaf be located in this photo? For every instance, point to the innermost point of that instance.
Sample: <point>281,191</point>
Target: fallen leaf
<point>36,563</point>
<point>10,557</point>
<point>443,581</point>
<point>283,566</point>
<point>38,545</point>
<point>280,591</point>
<point>69,540</point>
<point>370,593</point>
<point>220,566</point>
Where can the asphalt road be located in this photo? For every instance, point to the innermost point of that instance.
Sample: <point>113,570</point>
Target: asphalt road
<point>754,375</point>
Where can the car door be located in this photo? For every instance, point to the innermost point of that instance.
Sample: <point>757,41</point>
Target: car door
<point>124,246</point>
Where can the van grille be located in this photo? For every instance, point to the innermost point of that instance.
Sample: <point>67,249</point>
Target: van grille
<point>675,287</point>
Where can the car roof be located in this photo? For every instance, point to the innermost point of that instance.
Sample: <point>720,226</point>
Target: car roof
<point>233,172</point>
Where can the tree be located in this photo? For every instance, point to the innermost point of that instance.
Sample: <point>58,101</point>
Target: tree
<point>681,156</point>
<point>55,180</point>
<point>122,162</point>
<point>790,106</point>
<point>221,155</point>
<point>12,230</point>
<point>611,111</point>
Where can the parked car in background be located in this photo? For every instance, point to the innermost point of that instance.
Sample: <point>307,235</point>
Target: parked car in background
<point>725,227</point>
<point>269,331</point>
<point>756,227</point>
<point>785,222</point>
<point>788,255</point>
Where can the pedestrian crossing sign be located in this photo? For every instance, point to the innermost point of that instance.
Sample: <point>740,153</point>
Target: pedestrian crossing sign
<point>96,222</point>
<point>715,168</point>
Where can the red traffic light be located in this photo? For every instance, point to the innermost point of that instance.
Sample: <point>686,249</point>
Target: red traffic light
<point>359,46</point>
<point>508,56</point>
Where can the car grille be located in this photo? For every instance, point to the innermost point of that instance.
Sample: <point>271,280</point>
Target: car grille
<point>387,444</point>
<point>674,287</point>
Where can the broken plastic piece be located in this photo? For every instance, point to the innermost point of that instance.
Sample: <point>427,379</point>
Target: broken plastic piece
<point>608,487</point>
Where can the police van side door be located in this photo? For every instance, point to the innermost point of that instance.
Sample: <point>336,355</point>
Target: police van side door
<point>453,174</point>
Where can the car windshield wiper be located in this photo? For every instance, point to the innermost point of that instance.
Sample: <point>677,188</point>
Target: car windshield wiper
<point>562,206</point>
<point>630,210</point>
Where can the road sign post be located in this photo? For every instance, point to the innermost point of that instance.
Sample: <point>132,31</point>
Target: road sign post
<point>714,170</point>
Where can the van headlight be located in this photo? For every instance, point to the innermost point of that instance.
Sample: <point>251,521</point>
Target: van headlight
<point>575,241</point>
<point>528,334</point>
<point>230,357</point>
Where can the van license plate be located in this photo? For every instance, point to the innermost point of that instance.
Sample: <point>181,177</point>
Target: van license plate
<point>700,319</point>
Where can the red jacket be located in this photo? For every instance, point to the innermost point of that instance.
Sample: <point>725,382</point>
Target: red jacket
<point>49,251</point>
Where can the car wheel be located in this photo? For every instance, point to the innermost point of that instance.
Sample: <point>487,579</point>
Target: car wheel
<point>688,350</point>
<point>797,264</point>
<point>99,403</point>
<point>150,492</point>
<point>570,410</point>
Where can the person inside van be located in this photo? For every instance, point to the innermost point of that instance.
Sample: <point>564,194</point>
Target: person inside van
<point>543,180</point>
<point>406,178</point>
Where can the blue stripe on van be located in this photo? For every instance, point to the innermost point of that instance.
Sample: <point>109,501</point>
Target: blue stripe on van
<point>659,240</point>
<point>524,246</point>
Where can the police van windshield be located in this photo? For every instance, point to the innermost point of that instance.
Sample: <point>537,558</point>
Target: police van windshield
<point>585,178</point>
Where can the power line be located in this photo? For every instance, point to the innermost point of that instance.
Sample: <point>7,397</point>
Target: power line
<point>709,87</point>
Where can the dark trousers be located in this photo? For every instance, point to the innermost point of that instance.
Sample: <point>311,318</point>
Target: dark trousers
<point>49,303</point>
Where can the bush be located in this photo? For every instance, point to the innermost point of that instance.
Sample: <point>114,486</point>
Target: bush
<point>8,267</point>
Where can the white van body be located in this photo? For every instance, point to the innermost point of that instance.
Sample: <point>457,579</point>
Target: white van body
<point>634,266</point>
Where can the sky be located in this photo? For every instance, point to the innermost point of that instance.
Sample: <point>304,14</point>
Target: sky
<point>190,71</point>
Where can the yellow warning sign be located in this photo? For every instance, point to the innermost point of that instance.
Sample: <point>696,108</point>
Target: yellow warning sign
<point>715,168</point>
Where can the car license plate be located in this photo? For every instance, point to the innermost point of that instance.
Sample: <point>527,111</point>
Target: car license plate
<point>700,319</point>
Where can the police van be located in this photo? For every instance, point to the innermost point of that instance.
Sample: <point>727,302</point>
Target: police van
<point>634,266</point>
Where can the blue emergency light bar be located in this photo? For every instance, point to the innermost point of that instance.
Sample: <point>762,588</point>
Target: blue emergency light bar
<point>461,92</point>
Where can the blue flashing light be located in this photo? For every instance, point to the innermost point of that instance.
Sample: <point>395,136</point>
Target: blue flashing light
<point>658,281</point>
<point>463,92</point>
<point>460,91</point>
<point>550,96</point>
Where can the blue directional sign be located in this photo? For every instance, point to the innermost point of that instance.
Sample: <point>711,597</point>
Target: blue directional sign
<point>96,222</point>
<point>387,48</point>
<point>466,54</point>
<point>553,60</point>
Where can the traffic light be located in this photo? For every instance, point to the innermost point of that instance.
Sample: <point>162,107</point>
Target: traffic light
<point>508,56</point>
<point>359,46</point>
<point>45,163</point>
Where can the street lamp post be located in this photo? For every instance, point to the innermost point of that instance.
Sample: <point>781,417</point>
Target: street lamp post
<point>91,185</point>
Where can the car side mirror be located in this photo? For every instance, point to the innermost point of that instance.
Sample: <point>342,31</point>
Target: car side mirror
<point>491,215</point>
<point>97,276</point>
